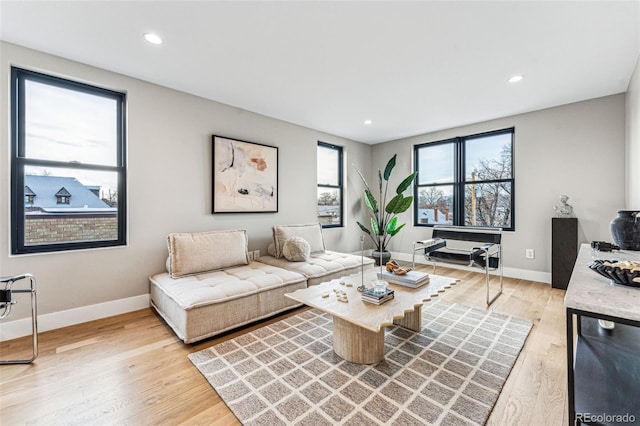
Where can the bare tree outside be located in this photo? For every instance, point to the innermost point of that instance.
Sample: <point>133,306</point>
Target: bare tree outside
<point>431,198</point>
<point>328,199</point>
<point>488,193</point>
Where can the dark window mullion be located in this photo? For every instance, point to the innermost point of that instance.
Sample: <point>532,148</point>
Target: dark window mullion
<point>458,199</point>
<point>67,165</point>
<point>478,182</point>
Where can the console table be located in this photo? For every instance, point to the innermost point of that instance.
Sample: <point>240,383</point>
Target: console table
<point>603,366</point>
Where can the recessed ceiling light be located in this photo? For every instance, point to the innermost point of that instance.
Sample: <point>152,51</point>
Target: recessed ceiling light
<point>153,38</point>
<point>367,122</point>
<point>516,78</point>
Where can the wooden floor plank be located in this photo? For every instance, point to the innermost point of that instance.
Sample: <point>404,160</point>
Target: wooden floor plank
<point>132,369</point>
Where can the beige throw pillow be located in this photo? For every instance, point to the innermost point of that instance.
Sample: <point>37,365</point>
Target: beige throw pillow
<point>206,251</point>
<point>296,249</point>
<point>312,233</point>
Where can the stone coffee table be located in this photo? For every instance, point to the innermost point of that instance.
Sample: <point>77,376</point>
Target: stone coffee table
<point>358,327</point>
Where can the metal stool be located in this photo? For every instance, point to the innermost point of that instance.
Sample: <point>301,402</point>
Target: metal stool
<point>6,301</point>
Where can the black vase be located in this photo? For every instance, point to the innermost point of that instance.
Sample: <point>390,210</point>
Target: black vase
<point>386,256</point>
<point>625,229</point>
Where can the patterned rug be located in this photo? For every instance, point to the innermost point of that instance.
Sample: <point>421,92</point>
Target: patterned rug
<point>286,373</point>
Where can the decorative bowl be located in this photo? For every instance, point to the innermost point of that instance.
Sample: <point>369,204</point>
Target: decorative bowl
<point>625,273</point>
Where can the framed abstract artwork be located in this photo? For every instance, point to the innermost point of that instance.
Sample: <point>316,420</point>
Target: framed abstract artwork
<point>245,176</point>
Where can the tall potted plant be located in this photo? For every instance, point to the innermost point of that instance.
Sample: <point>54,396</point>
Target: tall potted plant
<point>383,221</point>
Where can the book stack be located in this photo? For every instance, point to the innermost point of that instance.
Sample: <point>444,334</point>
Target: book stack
<point>377,298</point>
<point>413,279</point>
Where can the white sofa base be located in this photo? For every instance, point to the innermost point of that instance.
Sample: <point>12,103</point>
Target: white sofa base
<point>202,305</point>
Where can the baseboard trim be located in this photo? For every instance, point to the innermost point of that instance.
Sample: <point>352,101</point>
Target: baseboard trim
<point>22,327</point>
<point>522,274</point>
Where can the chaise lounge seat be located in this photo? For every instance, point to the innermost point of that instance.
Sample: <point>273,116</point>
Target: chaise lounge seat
<point>207,291</point>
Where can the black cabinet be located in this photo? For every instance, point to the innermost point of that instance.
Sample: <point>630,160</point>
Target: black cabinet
<point>564,250</point>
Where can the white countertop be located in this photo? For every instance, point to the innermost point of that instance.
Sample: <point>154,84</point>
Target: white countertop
<point>591,292</point>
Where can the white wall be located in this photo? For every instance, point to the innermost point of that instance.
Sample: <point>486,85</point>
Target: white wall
<point>632,148</point>
<point>576,149</point>
<point>169,189</point>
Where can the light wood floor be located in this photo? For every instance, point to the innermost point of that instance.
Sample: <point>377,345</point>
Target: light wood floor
<point>131,369</point>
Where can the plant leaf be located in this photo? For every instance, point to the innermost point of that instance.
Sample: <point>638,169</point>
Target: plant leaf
<point>404,204</point>
<point>370,201</point>
<point>364,229</point>
<point>366,185</point>
<point>405,183</point>
<point>390,165</point>
<point>374,226</point>
<point>391,226</point>
<point>399,204</point>
<point>395,231</point>
<point>379,180</point>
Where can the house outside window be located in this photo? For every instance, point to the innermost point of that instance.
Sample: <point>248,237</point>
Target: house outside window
<point>63,196</point>
<point>29,196</point>
<point>68,174</point>
<point>330,185</point>
<point>466,181</point>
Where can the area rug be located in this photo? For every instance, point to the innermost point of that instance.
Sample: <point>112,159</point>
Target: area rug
<point>451,373</point>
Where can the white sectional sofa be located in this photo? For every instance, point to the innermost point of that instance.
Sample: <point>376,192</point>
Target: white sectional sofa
<point>211,287</point>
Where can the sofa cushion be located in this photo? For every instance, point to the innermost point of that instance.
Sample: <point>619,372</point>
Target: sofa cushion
<point>206,251</point>
<point>312,233</point>
<point>296,249</point>
<point>321,267</point>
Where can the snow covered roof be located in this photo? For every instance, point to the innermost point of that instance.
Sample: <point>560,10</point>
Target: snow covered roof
<point>46,188</point>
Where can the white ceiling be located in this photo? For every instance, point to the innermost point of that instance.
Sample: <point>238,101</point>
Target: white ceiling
<point>411,67</point>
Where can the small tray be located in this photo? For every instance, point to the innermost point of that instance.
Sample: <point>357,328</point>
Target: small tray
<point>617,275</point>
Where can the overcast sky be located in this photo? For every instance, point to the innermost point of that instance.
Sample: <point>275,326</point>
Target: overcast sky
<point>436,162</point>
<point>66,125</point>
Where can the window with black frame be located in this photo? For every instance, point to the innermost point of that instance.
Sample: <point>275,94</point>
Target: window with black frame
<point>330,185</point>
<point>68,168</point>
<point>466,181</point>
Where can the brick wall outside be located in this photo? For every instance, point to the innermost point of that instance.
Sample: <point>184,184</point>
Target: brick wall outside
<point>47,229</point>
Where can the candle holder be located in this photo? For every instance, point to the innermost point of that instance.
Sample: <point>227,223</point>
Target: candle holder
<point>361,287</point>
<point>380,285</point>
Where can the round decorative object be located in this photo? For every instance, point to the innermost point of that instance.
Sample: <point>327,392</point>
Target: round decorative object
<point>296,249</point>
<point>386,256</point>
<point>625,229</point>
<point>625,273</point>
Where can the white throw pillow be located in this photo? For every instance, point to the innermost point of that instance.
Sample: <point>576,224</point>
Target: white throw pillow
<point>296,249</point>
